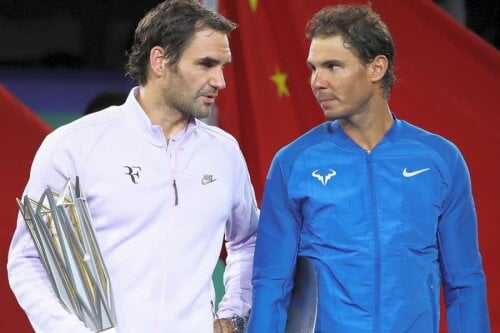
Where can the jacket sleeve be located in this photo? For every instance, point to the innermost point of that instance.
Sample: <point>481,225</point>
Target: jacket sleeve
<point>460,261</point>
<point>27,277</point>
<point>240,237</point>
<point>275,256</point>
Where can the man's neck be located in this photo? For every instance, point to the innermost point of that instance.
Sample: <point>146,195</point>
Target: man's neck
<point>171,121</point>
<point>368,129</point>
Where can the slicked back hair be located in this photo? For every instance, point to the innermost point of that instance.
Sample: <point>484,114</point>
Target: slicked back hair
<point>170,25</point>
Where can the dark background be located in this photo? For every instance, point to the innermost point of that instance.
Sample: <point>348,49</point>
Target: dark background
<point>66,33</point>
<point>95,34</point>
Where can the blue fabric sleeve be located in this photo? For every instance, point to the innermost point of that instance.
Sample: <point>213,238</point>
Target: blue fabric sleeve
<point>460,260</point>
<point>275,255</point>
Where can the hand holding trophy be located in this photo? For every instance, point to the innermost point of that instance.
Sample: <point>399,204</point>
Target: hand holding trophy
<point>61,227</point>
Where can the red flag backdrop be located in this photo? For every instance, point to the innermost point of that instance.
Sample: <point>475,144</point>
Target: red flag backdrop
<point>21,134</point>
<point>448,81</point>
<point>448,76</point>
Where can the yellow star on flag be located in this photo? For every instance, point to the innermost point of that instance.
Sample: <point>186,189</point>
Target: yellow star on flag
<point>279,78</point>
<point>253,4</point>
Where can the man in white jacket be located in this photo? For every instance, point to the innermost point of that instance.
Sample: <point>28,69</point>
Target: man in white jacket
<point>163,188</point>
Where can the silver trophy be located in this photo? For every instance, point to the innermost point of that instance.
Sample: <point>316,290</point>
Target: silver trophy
<point>303,308</point>
<point>61,227</point>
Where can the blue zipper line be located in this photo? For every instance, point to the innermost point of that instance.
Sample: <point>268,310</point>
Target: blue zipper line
<point>376,238</point>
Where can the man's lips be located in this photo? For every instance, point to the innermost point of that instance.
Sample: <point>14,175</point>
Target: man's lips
<point>325,102</point>
<point>208,98</point>
<point>323,99</point>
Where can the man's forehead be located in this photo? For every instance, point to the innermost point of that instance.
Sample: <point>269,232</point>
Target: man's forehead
<point>329,40</point>
<point>327,46</point>
<point>208,34</point>
<point>208,45</point>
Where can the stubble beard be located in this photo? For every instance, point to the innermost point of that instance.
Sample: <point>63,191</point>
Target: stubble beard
<point>195,109</point>
<point>200,110</point>
<point>186,104</point>
<point>348,112</point>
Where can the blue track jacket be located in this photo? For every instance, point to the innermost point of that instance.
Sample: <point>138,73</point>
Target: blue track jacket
<point>384,230</point>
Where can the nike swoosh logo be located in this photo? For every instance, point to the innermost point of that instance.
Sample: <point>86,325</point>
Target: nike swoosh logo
<point>207,181</point>
<point>408,174</point>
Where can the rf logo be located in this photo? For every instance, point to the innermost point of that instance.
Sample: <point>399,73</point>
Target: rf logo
<point>133,172</point>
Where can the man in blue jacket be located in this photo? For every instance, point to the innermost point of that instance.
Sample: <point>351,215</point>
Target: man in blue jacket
<point>383,209</point>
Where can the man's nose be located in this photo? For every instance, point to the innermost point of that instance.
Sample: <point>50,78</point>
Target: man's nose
<point>317,80</point>
<point>217,80</point>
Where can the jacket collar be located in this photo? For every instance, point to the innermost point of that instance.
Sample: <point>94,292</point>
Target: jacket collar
<point>341,138</point>
<point>140,123</point>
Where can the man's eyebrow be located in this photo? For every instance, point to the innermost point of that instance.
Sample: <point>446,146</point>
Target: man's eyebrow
<point>210,61</point>
<point>326,63</point>
<point>331,62</point>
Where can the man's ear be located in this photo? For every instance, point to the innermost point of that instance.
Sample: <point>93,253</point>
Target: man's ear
<point>378,67</point>
<point>157,61</point>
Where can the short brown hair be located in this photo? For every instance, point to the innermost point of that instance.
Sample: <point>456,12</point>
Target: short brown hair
<point>362,29</point>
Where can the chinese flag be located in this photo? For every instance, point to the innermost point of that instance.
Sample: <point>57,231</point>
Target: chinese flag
<point>268,101</point>
<point>448,83</point>
<point>21,134</point>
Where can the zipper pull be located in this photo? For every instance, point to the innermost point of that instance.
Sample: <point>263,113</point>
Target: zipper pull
<point>176,202</point>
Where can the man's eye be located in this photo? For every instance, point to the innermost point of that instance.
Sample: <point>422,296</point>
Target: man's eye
<point>208,64</point>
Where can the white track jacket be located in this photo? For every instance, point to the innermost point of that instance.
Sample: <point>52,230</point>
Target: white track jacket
<point>160,211</point>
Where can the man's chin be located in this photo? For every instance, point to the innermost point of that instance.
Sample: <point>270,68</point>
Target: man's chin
<point>329,114</point>
<point>203,112</point>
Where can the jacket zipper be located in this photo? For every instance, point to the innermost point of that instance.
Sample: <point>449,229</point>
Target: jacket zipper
<point>176,194</point>
<point>376,239</point>
<point>173,167</point>
<point>432,298</point>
